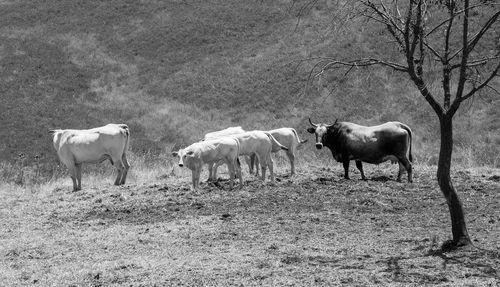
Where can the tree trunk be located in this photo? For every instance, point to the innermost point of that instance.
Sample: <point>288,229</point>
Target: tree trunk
<point>458,227</point>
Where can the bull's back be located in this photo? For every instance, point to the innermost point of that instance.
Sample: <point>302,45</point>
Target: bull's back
<point>376,144</point>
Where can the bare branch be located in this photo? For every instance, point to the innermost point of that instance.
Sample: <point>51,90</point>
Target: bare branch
<point>465,51</point>
<point>364,63</point>
<point>487,86</point>
<point>477,62</point>
<point>456,103</point>
<point>475,39</point>
<point>483,84</point>
<point>302,10</point>
<point>449,19</point>
<point>445,59</point>
<point>433,51</point>
<point>387,20</point>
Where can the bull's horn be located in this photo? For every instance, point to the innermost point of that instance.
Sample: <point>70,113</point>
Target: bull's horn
<point>313,124</point>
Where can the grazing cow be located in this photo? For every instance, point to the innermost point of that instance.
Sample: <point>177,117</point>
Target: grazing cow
<point>376,144</point>
<point>212,167</point>
<point>261,144</point>
<point>96,145</point>
<point>209,152</point>
<point>289,138</point>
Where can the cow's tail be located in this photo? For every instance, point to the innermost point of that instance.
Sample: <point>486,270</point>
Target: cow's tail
<point>126,132</point>
<point>276,143</point>
<point>407,128</point>
<point>297,137</point>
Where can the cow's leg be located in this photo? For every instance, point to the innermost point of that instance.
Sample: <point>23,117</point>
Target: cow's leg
<point>238,172</point>
<point>291,157</point>
<point>345,163</point>
<point>214,173</point>
<point>230,167</point>
<point>117,160</point>
<point>210,172</point>
<point>78,168</point>
<point>197,177</point>
<point>269,163</point>
<point>404,162</point>
<point>248,160</point>
<point>125,170</point>
<point>67,160</point>
<point>263,166</point>
<point>359,165</point>
<point>72,174</point>
<point>193,179</point>
<point>254,159</point>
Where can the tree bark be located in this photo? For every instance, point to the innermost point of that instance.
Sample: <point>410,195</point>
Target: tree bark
<point>458,226</point>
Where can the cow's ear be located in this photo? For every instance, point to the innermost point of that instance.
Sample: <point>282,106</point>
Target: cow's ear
<point>174,153</point>
<point>311,130</point>
<point>190,152</point>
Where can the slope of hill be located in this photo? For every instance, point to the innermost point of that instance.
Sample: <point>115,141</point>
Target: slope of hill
<point>174,70</point>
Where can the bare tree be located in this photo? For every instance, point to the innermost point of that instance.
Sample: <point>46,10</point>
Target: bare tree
<point>437,38</point>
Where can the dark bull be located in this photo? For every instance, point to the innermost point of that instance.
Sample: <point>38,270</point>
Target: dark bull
<point>374,144</point>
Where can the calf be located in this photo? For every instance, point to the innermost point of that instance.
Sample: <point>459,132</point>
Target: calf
<point>96,145</point>
<point>289,138</point>
<point>212,167</point>
<point>261,144</point>
<point>209,152</point>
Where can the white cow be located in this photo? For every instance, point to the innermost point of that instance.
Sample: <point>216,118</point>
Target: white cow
<point>212,167</point>
<point>209,152</point>
<point>96,145</point>
<point>261,144</point>
<point>287,137</point>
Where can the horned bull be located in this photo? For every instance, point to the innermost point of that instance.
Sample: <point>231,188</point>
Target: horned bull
<point>373,144</point>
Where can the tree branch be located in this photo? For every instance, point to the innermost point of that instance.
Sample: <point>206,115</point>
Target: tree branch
<point>387,20</point>
<point>363,63</point>
<point>475,39</point>
<point>477,62</point>
<point>445,60</point>
<point>483,84</point>
<point>456,103</point>
<point>465,52</point>
<point>447,20</point>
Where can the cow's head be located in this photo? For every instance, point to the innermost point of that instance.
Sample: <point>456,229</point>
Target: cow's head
<point>184,156</point>
<point>321,131</point>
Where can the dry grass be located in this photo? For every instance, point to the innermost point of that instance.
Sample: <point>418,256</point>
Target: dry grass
<point>311,229</point>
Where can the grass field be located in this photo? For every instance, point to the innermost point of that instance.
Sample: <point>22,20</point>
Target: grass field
<point>174,70</point>
<point>313,229</point>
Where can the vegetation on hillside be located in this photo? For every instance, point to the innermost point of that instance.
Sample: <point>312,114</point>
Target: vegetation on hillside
<point>173,70</point>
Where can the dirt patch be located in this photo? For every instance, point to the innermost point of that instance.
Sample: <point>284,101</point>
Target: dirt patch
<point>316,230</point>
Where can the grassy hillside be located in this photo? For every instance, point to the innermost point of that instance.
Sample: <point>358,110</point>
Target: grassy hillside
<point>173,70</point>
